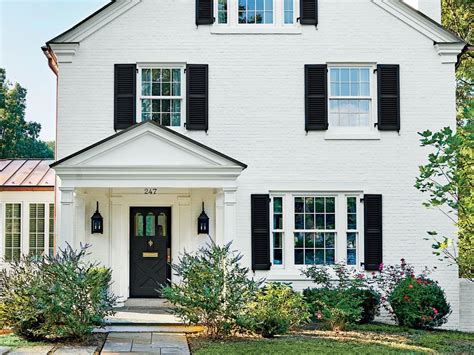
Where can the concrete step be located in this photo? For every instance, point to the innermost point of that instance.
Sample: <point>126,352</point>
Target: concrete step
<point>147,303</point>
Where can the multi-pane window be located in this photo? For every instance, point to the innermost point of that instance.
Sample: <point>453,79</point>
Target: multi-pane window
<point>351,230</point>
<point>12,231</point>
<point>255,11</point>
<point>37,229</point>
<point>277,230</point>
<point>315,225</point>
<point>51,229</point>
<point>288,12</point>
<point>350,96</point>
<point>161,95</point>
<point>222,11</point>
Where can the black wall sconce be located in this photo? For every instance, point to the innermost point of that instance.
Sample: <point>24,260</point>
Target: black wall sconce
<point>203,222</point>
<point>97,222</point>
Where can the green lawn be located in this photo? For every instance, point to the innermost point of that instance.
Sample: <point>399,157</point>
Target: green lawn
<point>368,339</point>
<point>14,341</point>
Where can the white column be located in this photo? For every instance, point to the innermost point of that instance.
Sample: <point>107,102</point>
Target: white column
<point>119,259</point>
<point>65,217</point>
<point>230,215</point>
<point>219,217</point>
<point>80,220</point>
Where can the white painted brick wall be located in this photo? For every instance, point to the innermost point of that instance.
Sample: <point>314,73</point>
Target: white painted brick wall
<point>256,112</point>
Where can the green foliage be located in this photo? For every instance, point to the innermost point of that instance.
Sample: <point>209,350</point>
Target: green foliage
<point>356,290</point>
<point>213,289</point>
<point>448,179</point>
<point>458,16</point>
<point>419,303</point>
<point>58,297</point>
<point>334,308</point>
<point>18,138</point>
<point>275,309</point>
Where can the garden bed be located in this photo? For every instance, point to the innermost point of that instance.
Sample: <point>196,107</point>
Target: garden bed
<point>362,339</point>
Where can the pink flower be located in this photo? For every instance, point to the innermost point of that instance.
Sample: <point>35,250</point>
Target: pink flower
<point>407,298</point>
<point>419,281</point>
<point>383,299</point>
<point>319,315</point>
<point>426,282</point>
<point>431,318</point>
<point>423,318</point>
<point>381,267</point>
<point>410,286</point>
<point>373,273</point>
<point>435,311</point>
<point>360,276</point>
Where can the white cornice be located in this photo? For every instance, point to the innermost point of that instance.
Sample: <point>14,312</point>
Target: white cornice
<point>64,52</point>
<point>96,22</point>
<point>449,51</point>
<point>417,21</point>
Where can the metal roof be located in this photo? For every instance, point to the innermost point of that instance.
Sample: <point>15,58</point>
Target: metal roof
<point>26,174</point>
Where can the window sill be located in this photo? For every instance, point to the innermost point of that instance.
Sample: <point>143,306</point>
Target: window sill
<point>226,30</point>
<point>335,135</point>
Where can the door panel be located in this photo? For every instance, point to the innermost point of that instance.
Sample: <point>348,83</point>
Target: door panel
<point>150,245</point>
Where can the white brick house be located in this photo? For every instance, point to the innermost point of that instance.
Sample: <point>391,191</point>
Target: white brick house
<point>294,122</point>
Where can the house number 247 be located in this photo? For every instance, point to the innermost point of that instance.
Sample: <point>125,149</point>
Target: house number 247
<point>150,191</point>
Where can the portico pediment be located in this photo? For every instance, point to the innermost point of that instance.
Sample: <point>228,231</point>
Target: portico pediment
<point>147,150</point>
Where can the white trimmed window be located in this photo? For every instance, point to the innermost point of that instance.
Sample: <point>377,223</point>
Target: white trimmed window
<point>37,229</point>
<point>51,229</point>
<point>352,233</point>
<point>244,13</point>
<point>161,93</point>
<point>12,231</point>
<point>315,229</point>
<point>350,96</point>
<point>314,232</point>
<point>277,230</point>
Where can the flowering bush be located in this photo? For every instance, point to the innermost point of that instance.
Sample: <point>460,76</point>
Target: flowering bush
<point>419,303</point>
<point>348,296</point>
<point>275,309</point>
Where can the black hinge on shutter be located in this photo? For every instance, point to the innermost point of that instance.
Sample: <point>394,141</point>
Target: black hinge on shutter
<point>125,91</point>
<point>388,97</point>
<point>204,12</point>
<point>197,98</point>
<point>260,225</point>
<point>309,12</point>
<point>316,97</point>
<point>372,232</point>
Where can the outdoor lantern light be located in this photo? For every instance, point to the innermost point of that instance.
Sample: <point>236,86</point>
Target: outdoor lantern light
<point>97,222</point>
<point>203,222</point>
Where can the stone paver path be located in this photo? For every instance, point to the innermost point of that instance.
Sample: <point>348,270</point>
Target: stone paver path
<point>146,343</point>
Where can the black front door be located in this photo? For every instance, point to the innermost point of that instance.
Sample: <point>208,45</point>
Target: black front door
<point>150,249</point>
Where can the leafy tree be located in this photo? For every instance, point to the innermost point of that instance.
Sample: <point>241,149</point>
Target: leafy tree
<point>18,138</point>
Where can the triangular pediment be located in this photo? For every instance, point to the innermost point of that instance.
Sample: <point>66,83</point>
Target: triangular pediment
<point>148,145</point>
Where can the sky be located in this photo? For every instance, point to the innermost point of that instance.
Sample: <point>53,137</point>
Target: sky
<point>25,26</point>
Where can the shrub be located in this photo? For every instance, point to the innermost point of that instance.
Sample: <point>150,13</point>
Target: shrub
<point>419,303</point>
<point>213,289</point>
<point>55,297</point>
<point>352,285</point>
<point>275,309</point>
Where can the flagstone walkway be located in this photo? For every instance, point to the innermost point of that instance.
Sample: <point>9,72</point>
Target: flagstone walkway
<point>146,343</point>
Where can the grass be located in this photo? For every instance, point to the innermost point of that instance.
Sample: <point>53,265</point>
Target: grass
<point>14,341</point>
<point>366,339</point>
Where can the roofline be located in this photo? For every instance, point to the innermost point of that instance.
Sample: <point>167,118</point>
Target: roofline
<point>4,188</point>
<point>56,163</point>
<point>436,23</point>
<point>81,22</point>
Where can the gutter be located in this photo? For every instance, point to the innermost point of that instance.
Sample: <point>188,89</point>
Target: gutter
<point>52,60</point>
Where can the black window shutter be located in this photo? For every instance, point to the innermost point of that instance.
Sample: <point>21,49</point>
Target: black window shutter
<point>204,12</point>
<point>197,98</point>
<point>372,232</point>
<point>309,12</point>
<point>388,97</point>
<point>316,97</point>
<point>125,91</point>
<point>260,211</point>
